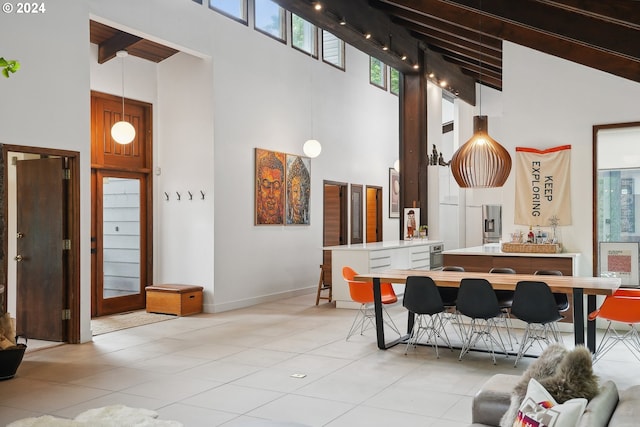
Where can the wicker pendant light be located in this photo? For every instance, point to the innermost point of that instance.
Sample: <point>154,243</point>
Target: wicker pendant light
<point>481,162</point>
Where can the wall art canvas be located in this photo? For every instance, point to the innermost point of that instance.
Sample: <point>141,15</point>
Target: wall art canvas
<point>298,194</point>
<point>620,259</point>
<point>394,193</point>
<point>269,190</point>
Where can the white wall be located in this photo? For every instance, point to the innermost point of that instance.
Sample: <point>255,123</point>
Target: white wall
<point>240,91</point>
<point>230,91</point>
<point>546,102</point>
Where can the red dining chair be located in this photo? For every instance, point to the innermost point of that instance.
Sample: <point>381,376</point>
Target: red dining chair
<point>621,307</point>
<point>362,292</point>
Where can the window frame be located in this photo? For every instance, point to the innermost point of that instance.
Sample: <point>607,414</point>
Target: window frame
<point>383,78</point>
<point>313,54</point>
<point>391,71</point>
<point>341,47</point>
<point>283,28</point>
<point>245,9</point>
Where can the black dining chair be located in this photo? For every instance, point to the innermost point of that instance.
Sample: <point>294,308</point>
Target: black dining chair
<point>562,300</point>
<point>534,304</point>
<point>505,300</point>
<point>449,297</point>
<point>477,300</point>
<point>421,297</point>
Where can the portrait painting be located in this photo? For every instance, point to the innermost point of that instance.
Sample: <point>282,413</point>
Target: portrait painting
<point>298,178</point>
<point>394,193</point>
<point>270,191</point>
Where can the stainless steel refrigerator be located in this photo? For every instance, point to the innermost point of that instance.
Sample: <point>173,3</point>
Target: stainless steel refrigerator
<point>491,223</point>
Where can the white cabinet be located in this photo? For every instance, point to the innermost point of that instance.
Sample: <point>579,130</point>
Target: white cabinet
<point>373,257</point>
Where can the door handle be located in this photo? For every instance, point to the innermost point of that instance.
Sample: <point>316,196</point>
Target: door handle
<point>18,258</point>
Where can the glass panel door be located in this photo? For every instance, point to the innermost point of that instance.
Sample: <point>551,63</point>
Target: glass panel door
<point>120,236</point>
<point>121,241</point>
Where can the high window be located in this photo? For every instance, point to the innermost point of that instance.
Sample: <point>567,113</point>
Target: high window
<point>236,9</point>
<point>377,73</point>
<point>269,18</point>
<point>332,50</point>
<point>304,35</point>
<point>394,81</point>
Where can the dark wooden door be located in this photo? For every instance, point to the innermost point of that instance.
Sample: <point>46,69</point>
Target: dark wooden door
<point>41,206</point>
<point>334,231</point>
<point>374,214</point>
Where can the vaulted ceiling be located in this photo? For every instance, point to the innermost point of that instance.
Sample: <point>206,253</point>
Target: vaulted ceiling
<point>457,41</point>
<point>461,40</point>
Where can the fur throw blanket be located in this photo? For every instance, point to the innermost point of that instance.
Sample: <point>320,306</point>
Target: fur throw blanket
<point>564,374</point>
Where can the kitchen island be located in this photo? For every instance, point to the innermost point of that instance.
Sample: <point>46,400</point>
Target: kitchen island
<point>376,257</point>
<point>481,259</point>
<point>484,258</point>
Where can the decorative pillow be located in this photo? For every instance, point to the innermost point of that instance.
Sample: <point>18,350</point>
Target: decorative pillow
<point>539,409</point>
<point>543,367</point>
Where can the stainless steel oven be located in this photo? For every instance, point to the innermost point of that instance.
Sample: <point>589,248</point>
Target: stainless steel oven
<point>435,257</point>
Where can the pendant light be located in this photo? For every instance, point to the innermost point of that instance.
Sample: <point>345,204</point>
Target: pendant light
<point>123,132</point>
<point>481,162</point>
<point>311,147</point>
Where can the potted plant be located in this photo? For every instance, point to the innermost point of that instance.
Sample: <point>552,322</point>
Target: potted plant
<point>9,66</point>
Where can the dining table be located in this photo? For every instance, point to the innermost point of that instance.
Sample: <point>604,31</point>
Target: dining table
<point>578,287</point>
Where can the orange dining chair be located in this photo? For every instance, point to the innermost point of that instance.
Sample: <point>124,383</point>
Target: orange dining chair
<point>621,307</point>
<point>362,292</point>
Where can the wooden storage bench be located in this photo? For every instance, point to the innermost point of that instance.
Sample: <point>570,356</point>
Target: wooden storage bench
<point>180,300</point>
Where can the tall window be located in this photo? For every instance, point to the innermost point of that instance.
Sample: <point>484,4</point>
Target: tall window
<point>377,73</point>
<point>236,9</point>
<point>269,18</point>
<point>394,81</point>
<point>303,36</point>
<point>332,50</point>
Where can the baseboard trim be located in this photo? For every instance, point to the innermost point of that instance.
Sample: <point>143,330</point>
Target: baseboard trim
<point>234,305</point>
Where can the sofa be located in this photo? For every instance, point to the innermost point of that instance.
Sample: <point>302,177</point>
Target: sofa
<point>609,407</point>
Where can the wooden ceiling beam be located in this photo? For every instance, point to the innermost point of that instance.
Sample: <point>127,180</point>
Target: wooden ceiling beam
<point>362,17</point>
<point>622,12</point>
<point>121,41</point>
<point>405,17</point>
<point>551,44</point>
<point>591,31</point>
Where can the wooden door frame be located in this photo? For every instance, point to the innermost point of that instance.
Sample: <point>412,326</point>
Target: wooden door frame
<point>72,285</point>
<point>143,165</point>
<point>378,201</point>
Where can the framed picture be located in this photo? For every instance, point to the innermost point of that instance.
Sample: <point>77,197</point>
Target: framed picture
<point>619,259</point>
<point>298,189</point>
<point>411,222</point>
<point>394,193</point>
<point>269,190</point>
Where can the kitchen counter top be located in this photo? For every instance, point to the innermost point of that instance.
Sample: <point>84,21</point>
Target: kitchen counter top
<point>493,249</point>
<point>389,244</point>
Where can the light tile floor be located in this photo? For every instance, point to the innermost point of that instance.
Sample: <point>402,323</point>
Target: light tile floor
<point>235,369</point>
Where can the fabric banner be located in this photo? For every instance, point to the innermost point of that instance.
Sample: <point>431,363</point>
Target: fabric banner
<point>543,186</point>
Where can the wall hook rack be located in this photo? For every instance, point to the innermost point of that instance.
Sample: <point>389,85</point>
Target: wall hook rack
<point>190,195</point>
<point>202,194</point>
<point>178,194</point>
<point>166,196</point>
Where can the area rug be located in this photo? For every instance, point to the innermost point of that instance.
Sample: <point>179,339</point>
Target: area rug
<point>116,322</point>
<point>108,416</point>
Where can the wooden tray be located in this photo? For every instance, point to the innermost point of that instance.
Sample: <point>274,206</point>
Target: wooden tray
<point>545,248</point>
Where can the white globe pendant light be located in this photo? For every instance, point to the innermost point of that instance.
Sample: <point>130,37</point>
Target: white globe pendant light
<point>123,132</point>
<point>312,148</point>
